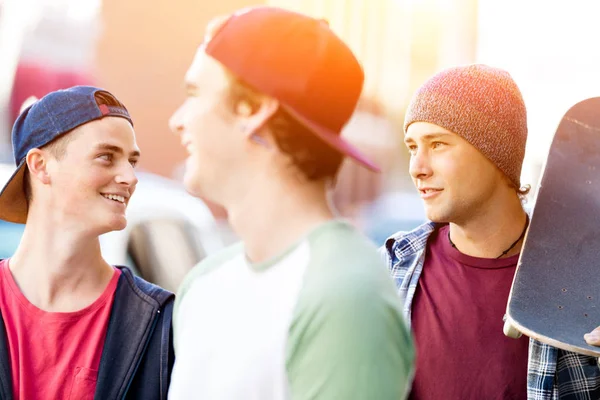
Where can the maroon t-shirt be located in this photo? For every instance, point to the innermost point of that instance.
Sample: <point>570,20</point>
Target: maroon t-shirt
<point>457,313</point>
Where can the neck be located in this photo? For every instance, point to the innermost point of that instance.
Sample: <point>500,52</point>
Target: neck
<point>488,234</point>
<point>58,269</point>
<point>274,216</point>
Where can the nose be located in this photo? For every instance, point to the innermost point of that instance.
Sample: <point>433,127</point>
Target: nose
<point>127,177</point>
<point>420,165</point>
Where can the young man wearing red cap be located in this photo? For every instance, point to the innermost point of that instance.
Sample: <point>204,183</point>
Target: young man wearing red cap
<point>466,130</point>
<point>303,306</point>
<point>71,325</point>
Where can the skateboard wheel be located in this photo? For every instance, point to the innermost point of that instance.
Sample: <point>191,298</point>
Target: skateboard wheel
<point>511,331</point>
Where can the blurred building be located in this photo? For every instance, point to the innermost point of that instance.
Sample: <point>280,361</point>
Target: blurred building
<point>51,45</point>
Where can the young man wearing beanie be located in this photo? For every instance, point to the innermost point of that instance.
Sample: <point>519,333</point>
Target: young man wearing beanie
<point>71,325</point>
<point>303,307</point>
<point>466,130</point>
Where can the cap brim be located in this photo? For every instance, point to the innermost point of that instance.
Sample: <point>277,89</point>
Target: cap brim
<point>13,203</point>
<point>334,140</point>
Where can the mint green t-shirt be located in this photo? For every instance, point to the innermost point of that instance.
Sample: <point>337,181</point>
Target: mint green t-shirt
<point>321,321</point>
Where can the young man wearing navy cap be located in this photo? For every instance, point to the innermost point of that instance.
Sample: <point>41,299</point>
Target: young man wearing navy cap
<point>71,325</point>
<point>303,306</point>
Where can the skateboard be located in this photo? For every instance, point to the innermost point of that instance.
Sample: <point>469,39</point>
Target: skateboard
<point>555,295</point>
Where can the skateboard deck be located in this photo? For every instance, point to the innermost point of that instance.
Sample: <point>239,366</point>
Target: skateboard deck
<point>555,295</point>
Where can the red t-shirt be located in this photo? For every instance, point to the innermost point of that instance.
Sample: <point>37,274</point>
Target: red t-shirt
<point>457,313</point>
<point>53,355</point>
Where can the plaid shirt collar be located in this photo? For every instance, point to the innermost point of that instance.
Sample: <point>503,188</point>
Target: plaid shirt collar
<point>552,373</point>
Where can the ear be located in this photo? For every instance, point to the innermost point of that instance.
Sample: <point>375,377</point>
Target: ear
<point>254,121</point>
<point>38,167</point>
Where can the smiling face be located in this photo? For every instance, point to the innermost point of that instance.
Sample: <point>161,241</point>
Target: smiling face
<point>91,184</point>
<point>454,179</point>
<point>209,130</point>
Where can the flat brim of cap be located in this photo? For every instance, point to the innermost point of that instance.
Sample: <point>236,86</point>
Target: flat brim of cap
<point>334,140</point>
<point>13,203</point>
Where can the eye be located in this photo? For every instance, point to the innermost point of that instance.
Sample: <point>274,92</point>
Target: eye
<point>133,162</point>
<point>436,145</point>
<point>412,148</point>
<point>106,157</point>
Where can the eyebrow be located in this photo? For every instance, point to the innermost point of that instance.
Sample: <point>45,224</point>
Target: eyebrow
<point>116,149</point>
<point>428,136</point>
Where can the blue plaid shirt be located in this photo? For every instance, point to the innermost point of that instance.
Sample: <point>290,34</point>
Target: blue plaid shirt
<point>552,373</point>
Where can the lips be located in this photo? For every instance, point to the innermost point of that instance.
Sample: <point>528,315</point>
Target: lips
<point>187,143</point>
<point>118,198</point>
<point>428,193</point>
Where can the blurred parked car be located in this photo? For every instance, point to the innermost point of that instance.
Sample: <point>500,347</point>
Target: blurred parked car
<point>168,231</point>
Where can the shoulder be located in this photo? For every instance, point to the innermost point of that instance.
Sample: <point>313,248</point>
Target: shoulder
<point>208,265</point>
<point>406,243</point>
<point>344,267</point>
<point>338,248</point>
<point>145,288</point>
<point>347,305</point>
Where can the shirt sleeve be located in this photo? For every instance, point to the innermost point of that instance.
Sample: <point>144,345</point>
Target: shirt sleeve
<point>348,340</point>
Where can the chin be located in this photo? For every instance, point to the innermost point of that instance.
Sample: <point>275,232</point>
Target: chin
<point>192,188</point>
<point>116,224</point>
<point>192,185</point>
<point>437,216</point>
<point>119,226</point>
